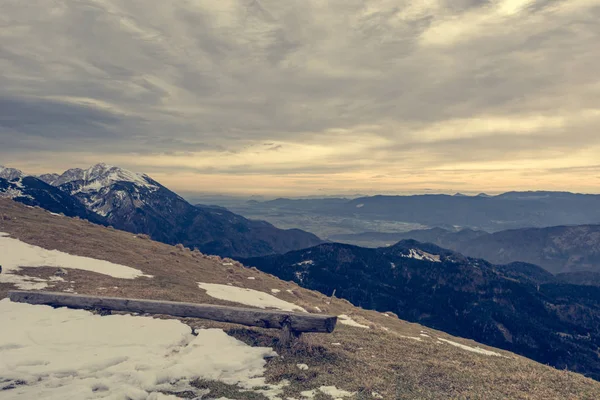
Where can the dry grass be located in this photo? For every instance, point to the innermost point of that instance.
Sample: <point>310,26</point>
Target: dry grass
<point>366,361</point>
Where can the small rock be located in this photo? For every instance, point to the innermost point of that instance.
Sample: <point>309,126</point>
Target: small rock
<point>302,367</point>
<point>61,272</point>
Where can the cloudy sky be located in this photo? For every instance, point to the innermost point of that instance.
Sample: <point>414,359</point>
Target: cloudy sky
<point>307,96</point>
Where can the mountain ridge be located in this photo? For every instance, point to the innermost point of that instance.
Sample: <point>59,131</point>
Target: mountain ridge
<point>510,210</point>
<point>559,249</point>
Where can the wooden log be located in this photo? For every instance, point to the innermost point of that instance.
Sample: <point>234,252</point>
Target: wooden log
<point>296,321</point>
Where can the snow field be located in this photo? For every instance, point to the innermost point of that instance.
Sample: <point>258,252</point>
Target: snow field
<point>73,354</point>
<point>15,254</point>
<point>249,297</point>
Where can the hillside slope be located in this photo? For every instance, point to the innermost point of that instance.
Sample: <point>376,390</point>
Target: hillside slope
<point>371,355</point>
<point>517,307</point>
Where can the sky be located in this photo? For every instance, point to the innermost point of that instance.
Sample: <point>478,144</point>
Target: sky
<point>302,97</point>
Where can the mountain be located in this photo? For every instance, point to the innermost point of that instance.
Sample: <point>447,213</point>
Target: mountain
<point>518,307</point>
<point>137,203</point>
<point>587,278</point>
<point>369,355</point>
<point>557,249</point>
<point>511,210</point>
<point>34,192</point>
<point>442,237</point>
<point>10,173</point>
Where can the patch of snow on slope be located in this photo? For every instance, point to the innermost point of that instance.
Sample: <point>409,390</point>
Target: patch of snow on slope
<point>327,390</point>
<point>14,190</point>
<point>421,255</point>
<point>335,392</point>
<point>248,297</point>
<point>15,254</point>
<point>418,339</point>
<point>478,350</point>
<point>307,262</point>
<point>74,354</point>
<point>25,282</point>
<point>346,320</point>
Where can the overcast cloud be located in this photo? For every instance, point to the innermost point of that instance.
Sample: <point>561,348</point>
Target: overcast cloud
<point>306,96</point>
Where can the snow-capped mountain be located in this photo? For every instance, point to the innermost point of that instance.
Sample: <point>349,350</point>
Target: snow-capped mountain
<point>105,188</point>
<point>10,173</point>
<point>32,191</point>
<point>48,178</point>
<point>136,203</point>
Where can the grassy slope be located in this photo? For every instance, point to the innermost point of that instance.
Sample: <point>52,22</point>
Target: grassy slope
<point>378,359</point>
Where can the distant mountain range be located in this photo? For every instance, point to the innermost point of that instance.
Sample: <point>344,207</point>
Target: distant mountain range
<point>557,249</point>
<point>511,210</point>
<point>519,307</point>
<point>137,203</point>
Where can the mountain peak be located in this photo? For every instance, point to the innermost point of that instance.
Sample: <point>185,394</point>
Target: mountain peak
<point>10,173</point>
<point>102,175</point>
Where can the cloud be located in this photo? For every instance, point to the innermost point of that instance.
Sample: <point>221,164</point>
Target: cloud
<point>386,88</point>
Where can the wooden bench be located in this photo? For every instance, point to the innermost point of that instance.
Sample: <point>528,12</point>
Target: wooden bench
<point>293,322</point>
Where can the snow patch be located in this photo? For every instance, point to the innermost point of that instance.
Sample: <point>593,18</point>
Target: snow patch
<point>332,391</point>
<point>14,190</point>
<point>25,282</point>
<point>307,262</point>
<point>247,297</point>
<point>346,320</point>
<point>418,339</point>
<point>73,354</point>
<point>422,255</point>
<point>15,254</point>
<point>275,291</point>
<point>302,367</point>
<point>478,350</point>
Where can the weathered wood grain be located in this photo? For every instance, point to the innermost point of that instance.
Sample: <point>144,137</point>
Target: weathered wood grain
<point>295,321</point>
